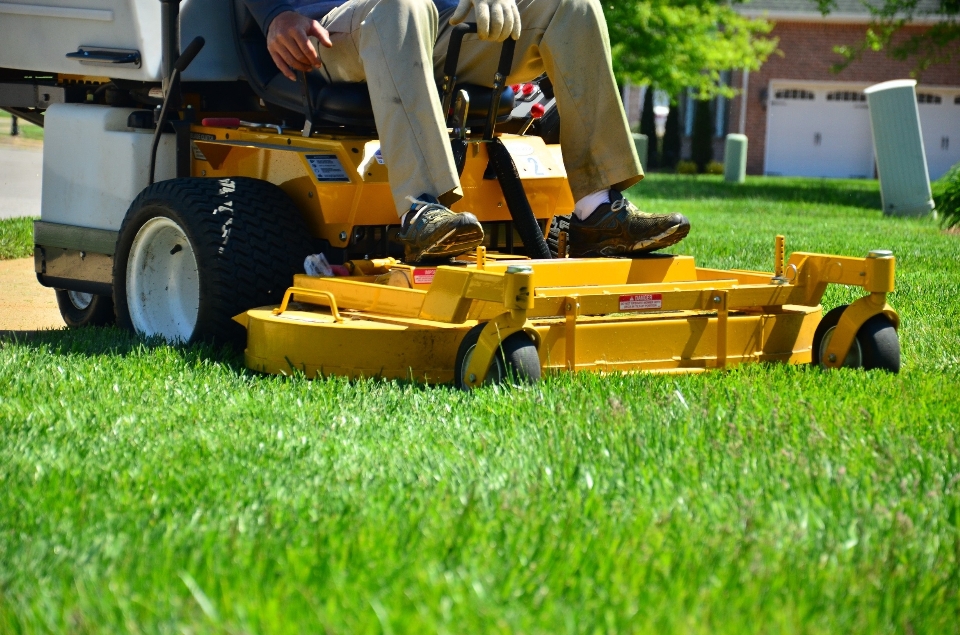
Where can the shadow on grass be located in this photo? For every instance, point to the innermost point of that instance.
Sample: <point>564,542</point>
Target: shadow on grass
<point>113,341</point>
<point>857,193</point>
<point>116,342</point>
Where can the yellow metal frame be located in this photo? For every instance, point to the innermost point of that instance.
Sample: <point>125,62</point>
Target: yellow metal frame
<point>333,209</point>
<point>388,319</point>
<point>658,314</point>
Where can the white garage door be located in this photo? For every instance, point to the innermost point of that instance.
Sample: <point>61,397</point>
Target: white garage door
<point>819,130</point>
<point>940,123</point>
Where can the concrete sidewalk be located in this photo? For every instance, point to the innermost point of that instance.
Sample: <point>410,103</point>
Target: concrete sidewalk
<point>21,168</point>
<point>25,305</point>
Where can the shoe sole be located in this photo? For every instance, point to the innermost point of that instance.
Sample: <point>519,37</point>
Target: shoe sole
<point>670,237</point>
<point>454,243</point>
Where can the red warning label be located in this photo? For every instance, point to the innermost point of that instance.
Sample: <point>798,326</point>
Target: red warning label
<point>641,301</point>
<point>424,276</point>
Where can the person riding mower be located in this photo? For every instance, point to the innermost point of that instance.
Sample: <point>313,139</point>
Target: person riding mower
<point>398,48</point>
<point>255,186</point>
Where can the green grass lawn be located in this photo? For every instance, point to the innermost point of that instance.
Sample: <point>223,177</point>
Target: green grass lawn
<point>16,238</point>
<point>154,489</point>
<point>27,129</point>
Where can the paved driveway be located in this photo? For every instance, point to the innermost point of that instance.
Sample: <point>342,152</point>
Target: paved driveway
<point>20,175</point>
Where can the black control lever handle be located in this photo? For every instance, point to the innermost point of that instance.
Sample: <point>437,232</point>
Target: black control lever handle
<point>189,53</point>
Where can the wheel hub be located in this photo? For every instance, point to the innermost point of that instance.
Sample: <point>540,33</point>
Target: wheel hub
<point>80,300</point>
<point>163,281</point>
<point>854,357</point>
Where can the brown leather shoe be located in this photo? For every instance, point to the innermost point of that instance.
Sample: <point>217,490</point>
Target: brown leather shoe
<point>618,228</point>
<point>432,232</point>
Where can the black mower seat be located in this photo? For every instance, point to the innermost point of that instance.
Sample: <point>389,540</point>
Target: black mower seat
<point>340,104</point>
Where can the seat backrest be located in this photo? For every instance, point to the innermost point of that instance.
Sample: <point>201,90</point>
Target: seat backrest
<point>258,67</point>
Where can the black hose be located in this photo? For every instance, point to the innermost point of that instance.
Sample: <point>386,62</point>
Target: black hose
<point>517,203</point>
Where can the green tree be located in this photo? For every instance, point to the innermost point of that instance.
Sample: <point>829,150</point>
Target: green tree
<point>672,140</point>
<point>938,44</point>
<point>677,44</point>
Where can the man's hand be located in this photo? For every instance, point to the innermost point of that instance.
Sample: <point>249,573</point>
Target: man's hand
<point>288,40</point>
<point>496,19</point>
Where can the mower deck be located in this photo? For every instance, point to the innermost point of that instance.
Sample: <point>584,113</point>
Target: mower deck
<point>658,313</point>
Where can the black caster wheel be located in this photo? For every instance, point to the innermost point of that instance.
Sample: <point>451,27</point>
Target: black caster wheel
<point>516,361</point>
<point>876,346</point>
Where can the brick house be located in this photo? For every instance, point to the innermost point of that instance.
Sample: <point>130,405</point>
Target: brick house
<point>803,119</point>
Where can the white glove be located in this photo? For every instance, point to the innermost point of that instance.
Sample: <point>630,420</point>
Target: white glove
<point>496,19</point>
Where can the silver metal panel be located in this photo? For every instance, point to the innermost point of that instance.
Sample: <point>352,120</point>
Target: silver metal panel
<point>99,241</point>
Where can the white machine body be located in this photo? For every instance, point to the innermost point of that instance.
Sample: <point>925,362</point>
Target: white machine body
<point>37,35</point>
<point>94,165</point>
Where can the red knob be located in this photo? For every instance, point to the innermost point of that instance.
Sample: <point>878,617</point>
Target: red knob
<point>537,110</point>
<point>528,89</point>
<point>221,122</point>
<point>515,88</point>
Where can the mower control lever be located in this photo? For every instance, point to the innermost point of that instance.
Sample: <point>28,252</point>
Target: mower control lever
<point>188,54</point>
<point>172,99</point>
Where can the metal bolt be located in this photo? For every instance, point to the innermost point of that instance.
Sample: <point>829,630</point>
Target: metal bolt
<point>309,194</point>
<point>832,358</point>
<point>203,172</point>
<point>716,299</point>
<point>473,378</point>
<point>343,235</point>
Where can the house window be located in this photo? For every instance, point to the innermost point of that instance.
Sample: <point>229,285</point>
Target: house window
<point>793,93</point>
<point>846,95</point>
<point>927,98</point>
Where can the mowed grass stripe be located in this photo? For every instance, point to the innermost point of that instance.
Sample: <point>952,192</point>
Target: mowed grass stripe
<point>155,489</point>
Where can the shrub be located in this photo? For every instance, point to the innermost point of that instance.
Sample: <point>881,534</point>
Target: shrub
<point>946,194</point>
<point>686,167</point>
<point>714,167</point>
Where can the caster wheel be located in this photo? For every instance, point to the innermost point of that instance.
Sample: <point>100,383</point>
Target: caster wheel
<point>80,309</point>
<point>516,361</point>
<point>876,346</point>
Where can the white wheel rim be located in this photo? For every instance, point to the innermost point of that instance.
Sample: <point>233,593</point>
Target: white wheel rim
<point>854,358</point>
<point>163,283</point>
<point>80,300</point>
<point>494,375</point>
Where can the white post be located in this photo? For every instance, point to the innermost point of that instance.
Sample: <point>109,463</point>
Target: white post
<point>898,147</point>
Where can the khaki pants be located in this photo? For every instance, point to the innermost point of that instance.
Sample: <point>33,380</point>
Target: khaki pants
<point>398,48</point>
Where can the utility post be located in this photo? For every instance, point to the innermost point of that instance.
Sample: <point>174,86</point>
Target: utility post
<point>14,128</point>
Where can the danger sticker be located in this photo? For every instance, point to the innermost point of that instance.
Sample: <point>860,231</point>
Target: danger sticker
<point>641,301</point>
<point>424,276</point>
<point>327,168</point>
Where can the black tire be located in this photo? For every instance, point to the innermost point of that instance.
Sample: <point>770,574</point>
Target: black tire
<point>84,309</point>
<point>877,345</point>
<point>516,361</point>
<point>248,240</point>
<point>561,223</point>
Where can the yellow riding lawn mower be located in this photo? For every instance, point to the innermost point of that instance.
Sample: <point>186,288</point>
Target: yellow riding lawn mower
<point>198,194</point>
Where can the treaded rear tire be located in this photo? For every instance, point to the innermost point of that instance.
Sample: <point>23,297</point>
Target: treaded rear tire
<point>248,238</point>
